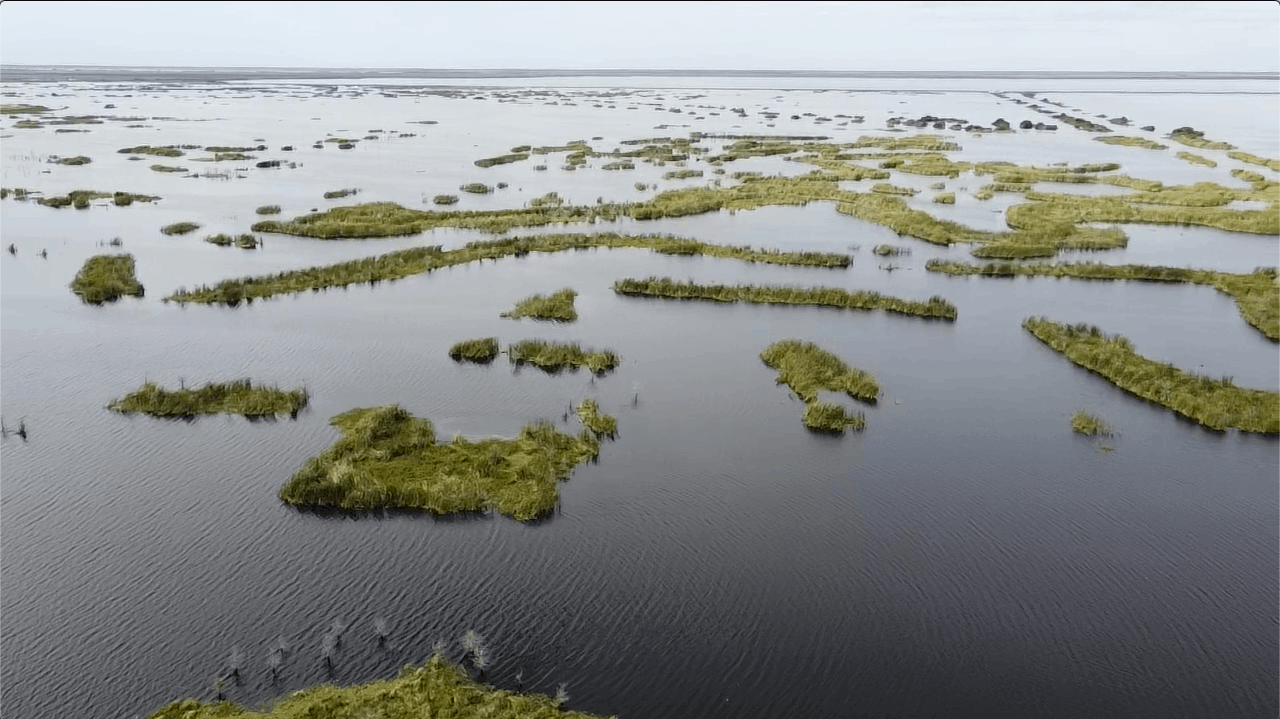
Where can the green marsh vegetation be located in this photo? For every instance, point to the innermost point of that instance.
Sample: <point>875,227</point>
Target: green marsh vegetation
<point>388,458</point>
<point>502,159</point>
<point>1129,141</point>
<point>945,198</point>
<point>831,417</point>
<point>224,157</point>
<point>167,151</point>
<point>80,199</point>
<point>1214,403</point>
<point>22,109</point>
<point>77,160</point>
<point>590,416</point>
<point>1256,293</point>
<point>168,168</point>
<point>1192,137</point>
<point>887,250</point>
<point>1086,422</point>
<point>1196,159</point>
<point>237,397</point>
<point>180,228</point>
<point>1254,160</point>
<point>268,210</point>
<point>476,188</point>
<point>808,369</point>
<point>106,278</point>
<point>336,194</point>
<point>934,308</point>
<point>445,199</point>
<point>555,356</point>
<point>681,174</point>
<point>885,188</point>
<point>438,688</point>
<point>481,350</point>
<point>243,241</point>
<point>558,307</point>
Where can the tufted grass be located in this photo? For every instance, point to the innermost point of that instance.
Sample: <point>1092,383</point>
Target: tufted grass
<point>1130,141</point>
<point>589,414</point>
<point>553,357</point>
<point>831,417</point>
<point>106,278</point>
<point>180,228</point>
<point>480,350</point>
<point>1196,159</point>
<point>268,210</point>
<point>168,151</point>
<point>1086,422</point>
<point>558,307</point>
<point>237,397</point>
<point>1255,160</point>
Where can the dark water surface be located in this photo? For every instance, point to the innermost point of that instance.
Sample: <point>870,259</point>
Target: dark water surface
<point>967,555</point>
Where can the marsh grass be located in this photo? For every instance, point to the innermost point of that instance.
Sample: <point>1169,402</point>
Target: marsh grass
<point>502,159</point>
<point>1255,160</point>
<point>1130,141</point>
<point>438,688</point>
<point>590,416</point>
<point>336,194</point>
<point>268,210</point>
<point>180,228</point>
<point>681,174</point>
<point>1196,159</point>
<point>1256,293</point>
<point>77,160</point>
<point>1195,138</point>
<point>831,417</point>
<point>558,306</point>
<point>1086,422</point>
<point>168,168</point>
<point>885,188</point>
<point>237,397</point>
<point>167,151</point>
<point>106,278</point>
<point>389,458</point>
<point>22,109</point>
<point>476,188</point>
<point>1214,403</point>
<point>887,250</point>
<point>445,199</point>
<point>80,199</point>
<point>480,350</point>
<point>935,307</point>
<point>553,357</point>
<point>945,198</point>
<point>807,369</point>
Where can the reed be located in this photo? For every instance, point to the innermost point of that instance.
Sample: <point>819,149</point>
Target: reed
<point>180,228</point>
<point>476,188</point>
<point>681,174</point>
<point>1086,422</point>
<point>106,278</point>
<point>1214,403</point>
<point>935,307</point>
<point>887,250</point>
<point>556,356</point>
<point>481,350</point>
<point>80,199</point>
<point>445,199</point>
<point>808,369</point>
<point>1256,293</point>
<point>558,307</point>
<point>945,198</point>
<point>19,108</point>
<point>337,194</point>
<point>389,458</point>
<point>168,168</point>
<point>240,397</point>
<point>1131,142</point>
<point>885,188</point>
<point>1196,159</point>
<point>831,417</point>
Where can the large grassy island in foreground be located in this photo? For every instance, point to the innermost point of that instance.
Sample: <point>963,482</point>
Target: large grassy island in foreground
<point>435,690</point>
<point>1215,403</point>
<point>387,458</point>
<point>808,369</point>
<point>105,278</point>
<point>238,397</point>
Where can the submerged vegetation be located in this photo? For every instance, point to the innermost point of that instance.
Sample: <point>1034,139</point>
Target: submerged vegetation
<point>665,287</point>
<point>480,350</point>
<point>105,278</point>
<point>238,397</point>
<point>389,458</point>
<point>808,369</point>
<point>555,356</point>
<point>557,306</point>
<point>1088,423</point>
<point>1215,403</point>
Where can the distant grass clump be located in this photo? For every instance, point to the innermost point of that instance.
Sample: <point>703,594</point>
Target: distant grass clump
<point>268,210</point>
<point>945,198</point>
<point>885,188</point>
<point>681,174</point>
<point>335,194</point>
<point>168,168</point>
<point>1196,159</point>
<point>436,689</point>
<point>555,356</point>
<point>106,278</point>
<point>237,397</point>
<point>1255,160</point>
<point>558,306</point>
<point>77,160</point>
<point>502,159</point>
<point>180,228</point>
<point>589,414</point>
<point>80,199</point>
<point>1215,403</point>
<point>1195,138</point>
<point>22,109</point>
<point>887,250</point>
<point>243,241</point>
<point>1088,423</point>
<point>665,287</point>
<point>386,458</point>
<point>481,350</point>
<point>476,188</point>
<point>168,151</point>
<point>1131,142</point>
<point>445,199</point>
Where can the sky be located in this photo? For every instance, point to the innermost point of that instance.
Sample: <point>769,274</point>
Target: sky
<point>957,35</point>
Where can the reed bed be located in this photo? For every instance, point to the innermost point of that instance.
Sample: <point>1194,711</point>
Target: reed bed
<point>481,350</point>
<point>338,194</point>
<point>681,174</point>
<point>476,188</point>
<point>1252,159</point>
<point>268,210</point>
<point>1130,141</point>
<point>180,228</point>
<point>386,458</point>
<point>237,397</point>
<point>502,159</point>
<point>934,308</point>
<point>1214,403</point>
<point>1196,159</point>
<point>557,307</point>
<point>418,260</point>
<point>1087,423</point>
<point>884,188</point>
<point>1195,138</point>
<point>808,369</point>
<point>445,199</point>
<point>106,278</point>
<point>831,417</point>
<point>590,416</point>
<point>556,356</point>
<point>438,688</point>
<point>1256,293</point>
<point>945,198</point>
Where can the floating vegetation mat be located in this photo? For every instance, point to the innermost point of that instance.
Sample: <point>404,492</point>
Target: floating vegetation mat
<point>417,260</point>
<point>558,307</point>
<point>1215,403</point>
<point>1086,422</point>
<point>436,689</point>
<point>556,356</point>
<point>808,369</point>
<point>389,458</point>
<point>665,287</point>
<point>480,350</point>
<point>106,278</point>
<point>238,397</point>
<point>1256,293</point>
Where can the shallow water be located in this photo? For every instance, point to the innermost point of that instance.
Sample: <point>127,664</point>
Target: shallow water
<point>965,555</point>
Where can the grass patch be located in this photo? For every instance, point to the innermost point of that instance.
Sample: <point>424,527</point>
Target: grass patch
<point>106,278</point>
<point>557,306</point>
<point>887,250</point>
<point>1256,293</point>
<point>885,188</point>
<point>502,159</point>
<point>238,397</point>
<point>808,369</point>
<point>1196,159</point>
<point>481,350</point>
<point>1129,141</point>
<point>681,174</point>
<point>268,210</point>
<point>22,109</point>
<point>224,157</point>
<point>180,228</point>
<point>77,160</point>
<point>1088,423</point>
<point>80,199</point>
<point>935,307</point>
<point>389,458</point>
<point>556,356</point>
<point>831,417</point>
<point>243,241</point>
<point>945,198</point>
<point>167,151</point>
<point>445,199</point>
<point>1255,160</point>
<point>336,194</point>
<point>589,414</point>
<point>1194,138</point>
<point>168,168</point>
<point>476,188</point>
<point>1214,403</point>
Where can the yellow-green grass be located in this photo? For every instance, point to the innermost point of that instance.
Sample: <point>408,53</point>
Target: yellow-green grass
<point>476,188</point>
<point>885,188</point>
<point>243,241</point>
<point>237,397</point>
<point>106,278</point>
<point>589,414</point>
<point>558,306</point>
<point>681,174</point>
<point>502,159</point>
<point>387,458</point>
<point>1196,159</point>
<point>1256,293</point>
<point>1086,422</point>
<point>480,350</point>
<point>417,260</point>
<point>808,369</point>
<point>436,689</point>
<point>80,199</point>
<point>168,168</point>
<point>831,417</point>
<point>336,194</point>
<point>934,308</point>
<point>77,160</point>
<point>555,356</point>
<point>445,199</point>
<point>168,151</point>
<point>945,198</point>
<point>1131,142</point>
<point>887,250</point>
<point>180,228</point>
<point>22,109</point>
<point>224,157</point>
<point>1214,403</point>
<point>1195,138</point>
<point>268,210</point>
<point>1255,160</point>
<point>1053,212</point>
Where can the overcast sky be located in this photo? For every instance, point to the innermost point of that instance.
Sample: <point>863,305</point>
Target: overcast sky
<point>956,35</point>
